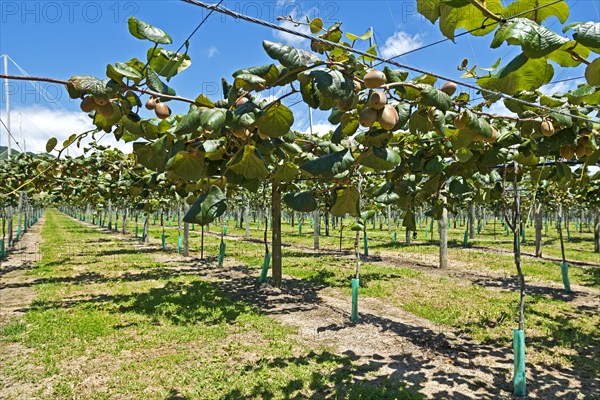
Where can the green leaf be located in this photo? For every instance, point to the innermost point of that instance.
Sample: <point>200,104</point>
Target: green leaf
<point>381,159</point>
<point>409,221</point>
<point>522,73</point>
<point>276,120</point>
<point>142,30</point>
<point>303,201</point>
<point>563,57</point>
<point>204,101</point>
<point>347,127</point>
<point>188,165</point>
<point>122,70</point>
<point>94,86</point>
<point>395,75</point>
<point>329,165</point>
<point>419,122</point>
<point>189,123</point>
<point>168,63</point>
<point>541,9</point>
<point>436,98</point>
<point>586,33</point>
<point>288,56</point>
<point>286,172</point>
<point>157,85</point>
<point>463,154</point>
<point>430,9</point>
<point>212,119</point>
<point>316,25</point>
<point>249,164</point>
<point>346,202</point>
<point>435,165</point>
<point>468,17</point>
<point>536,40</point>
<point>208,207</point>
<point>51,144</point>
<point>332,84</point>
<point>249,82</point>
<point>592,73</point>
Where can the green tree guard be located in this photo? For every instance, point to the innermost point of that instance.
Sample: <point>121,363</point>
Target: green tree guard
<point>192,226</point>
<point>431,228</point>
<point>18,233</point>
<point>564,269</point>
<point>222,248</point>
<point>2,249</point>
<point>546,227</point>
<point>300,228</point>
<point>179,244</point>
<point>265,268</point>
<point>523,236</point>
<point>466,238</point>
<point>355,282</point>
<point>366,244</point>
<point>394,237</point>
<point>311,223</point>
<point>520,387</point>
<point>136,232</point>
<point>225,230</point>
<point>164,241</point>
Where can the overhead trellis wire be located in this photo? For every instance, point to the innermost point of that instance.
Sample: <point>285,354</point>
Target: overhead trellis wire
<point>271,25</point>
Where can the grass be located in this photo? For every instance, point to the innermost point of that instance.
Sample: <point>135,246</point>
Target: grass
<point>112,323</point>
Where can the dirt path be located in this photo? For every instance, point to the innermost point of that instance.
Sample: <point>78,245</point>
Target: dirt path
<point>15,294</point>
<point>387,342</point>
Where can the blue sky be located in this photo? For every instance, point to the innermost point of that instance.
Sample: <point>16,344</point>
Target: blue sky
<point>63,38</point>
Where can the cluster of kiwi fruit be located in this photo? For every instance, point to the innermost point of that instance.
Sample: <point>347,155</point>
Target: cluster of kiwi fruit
<point>583,148</point>
<point>161,110</point>
<point>377,109</point>
<point>98,103</point>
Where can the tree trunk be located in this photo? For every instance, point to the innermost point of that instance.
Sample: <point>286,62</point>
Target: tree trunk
<point>186,233</point>
<point>276,234</point>
<point>316,230</point>
<point>247,219</point>
<point>145,235</point>
<point>109,215</point>
<point>389,218</point>
<point>124,228</point>
<point>472,221</point>
<point>443,231</point>
<point>407,239</point>
<point>538,218</point>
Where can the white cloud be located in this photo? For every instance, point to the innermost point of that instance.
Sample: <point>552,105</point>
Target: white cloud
<point>320,128</point>
<point>39,124</point>
<point>212,51</point>
<point>560,87</point>
<point>400,42</point>
<point>293,10</point>
<point>498,108</point>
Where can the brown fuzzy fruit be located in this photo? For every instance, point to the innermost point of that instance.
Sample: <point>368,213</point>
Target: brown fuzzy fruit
<point>151,103</point>
<point>449,88</point>
<point>367,117</point>
<point>87,104</point>
<point>240,101</point>
<point>162,110</point>
<point>388,117</point>
<point>460,122</point>
<point>241,133</point>
<point>547,128</point>
<point>263,136</point>
<point>580,150</point>
<point>106,110</point>
<point>378,100</point>
<point>567,152</point>
<point>374,79</point>
<point>494,136</point>
<point>589,150</point>
<point>101,100</point>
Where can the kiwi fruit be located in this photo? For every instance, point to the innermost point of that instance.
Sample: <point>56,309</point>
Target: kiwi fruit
<point>589,150</point>
<point>241,133</point>
<point>87,104</point>
<point>388,117</point>
<point>263,136</point>
<point>547,128</point>
<point>151,103</point>
<point>374,79</point>
<point>101,100</point>
<point>378,100</point>
<point>493,137</point>
<point>567,152</point>
<point>357,86</point>
<point>162,110</point>
<point>580,150</point>
<point>449,88</point>
<point>461,121</point>
<point>367,117</point>
<point>241,101</point>
<point>106,110</point>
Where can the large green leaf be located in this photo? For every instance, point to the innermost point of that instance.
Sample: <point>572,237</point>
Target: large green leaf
<point>347,201</point>
<point>208,207</point>
<point>286,172</point>
<point>303,201</point>
<point>586,33</point>
<point>592,73</point>
<point>249,164</point>
<point>381,159</point>
<point>168,63</point>
<point>535,40</point>
<point>436,98</point>
<point>522,73</point>
<point>276,120</point>
<point>468,17</point>
<point>188,165</point>
<point>189,123</point>
<point>332,84</point>
<point>563,57</point>
<point>142,30</point>
<point>121,70</point>
<point>541,9</point>
<point>329,165</point>
<point>409,221</point>
<point>213,118</point>
<point>249,82</point>
<point>289,56</point>
<point>92,85</point>
<point>157,85</point>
